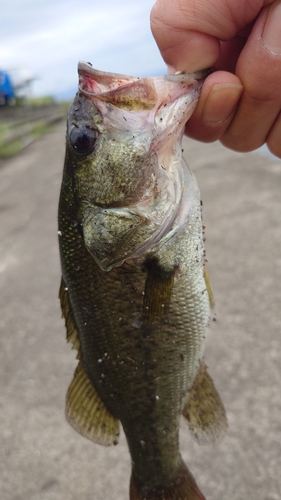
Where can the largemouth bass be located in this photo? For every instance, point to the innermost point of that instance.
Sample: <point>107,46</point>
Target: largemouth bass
<point>135,292</point>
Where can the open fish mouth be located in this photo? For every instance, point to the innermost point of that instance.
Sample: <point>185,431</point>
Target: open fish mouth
<point>136,93</point>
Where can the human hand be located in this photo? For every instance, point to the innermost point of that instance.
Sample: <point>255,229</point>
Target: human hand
<point>240,102</point>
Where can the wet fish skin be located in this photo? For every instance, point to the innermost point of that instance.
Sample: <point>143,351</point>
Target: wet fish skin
<point>134,293</point>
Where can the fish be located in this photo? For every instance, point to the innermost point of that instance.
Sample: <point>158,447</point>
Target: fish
<point>135,292</point>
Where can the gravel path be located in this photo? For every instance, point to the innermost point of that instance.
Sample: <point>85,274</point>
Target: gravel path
<point>41,457</point>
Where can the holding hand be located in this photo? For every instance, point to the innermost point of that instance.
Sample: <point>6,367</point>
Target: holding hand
<point>240,102</point>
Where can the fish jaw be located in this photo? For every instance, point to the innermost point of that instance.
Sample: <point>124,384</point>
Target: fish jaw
<point>135,171</point>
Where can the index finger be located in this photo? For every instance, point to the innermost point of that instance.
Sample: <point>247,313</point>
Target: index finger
<point>188,32</point>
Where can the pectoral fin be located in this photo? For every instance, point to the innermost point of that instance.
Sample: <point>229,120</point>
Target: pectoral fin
<point>158,290</point>
<point>87,414</point>
<point>204,411</point>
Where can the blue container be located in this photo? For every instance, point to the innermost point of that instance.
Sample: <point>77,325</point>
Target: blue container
<point>7,94</point>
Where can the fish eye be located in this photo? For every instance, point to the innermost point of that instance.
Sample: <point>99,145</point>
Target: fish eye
<point>82,139</point>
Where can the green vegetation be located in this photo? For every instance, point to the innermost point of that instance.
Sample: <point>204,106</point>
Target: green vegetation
<point>10,149</point>
<point>40,101</point>
<point>22,124</point>
<point>12,141</point>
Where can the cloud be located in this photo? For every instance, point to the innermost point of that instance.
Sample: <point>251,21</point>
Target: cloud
<point>50,38</point>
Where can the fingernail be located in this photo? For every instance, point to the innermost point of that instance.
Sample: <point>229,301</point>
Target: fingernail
<point>221,102</point>
<point>272,29</point>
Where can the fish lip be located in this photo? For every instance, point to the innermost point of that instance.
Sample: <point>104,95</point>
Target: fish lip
<point>182,77</point>
<point>85,66</point>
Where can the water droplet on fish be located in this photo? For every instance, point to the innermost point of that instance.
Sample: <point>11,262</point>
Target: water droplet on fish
<point>65,288</point>
<point>142,442</point>
<point>74,223</point>
<point>100,360</point>
<point>59,233</point>
<point>157,398</point>
<point>143,293</point>
<point>137,323</point>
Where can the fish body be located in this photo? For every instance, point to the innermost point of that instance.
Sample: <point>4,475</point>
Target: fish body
<point>135,293</point>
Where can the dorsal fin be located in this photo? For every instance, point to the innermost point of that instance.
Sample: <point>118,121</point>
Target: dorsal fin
<point>204,412</point>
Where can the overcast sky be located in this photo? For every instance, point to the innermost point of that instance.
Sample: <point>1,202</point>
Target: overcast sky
<point>48,38</point>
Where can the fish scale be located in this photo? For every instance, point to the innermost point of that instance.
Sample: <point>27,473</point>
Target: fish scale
<point>135,296</point>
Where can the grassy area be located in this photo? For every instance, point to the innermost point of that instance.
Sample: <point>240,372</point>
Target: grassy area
<point>47,101</point>
<point>40,101</point>
<point>13,147</point>
<point>22,124</point>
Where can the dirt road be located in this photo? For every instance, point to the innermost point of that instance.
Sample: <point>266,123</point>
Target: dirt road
<point>41,457</point>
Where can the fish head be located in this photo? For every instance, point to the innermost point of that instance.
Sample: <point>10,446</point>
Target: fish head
<point>124,153</point>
